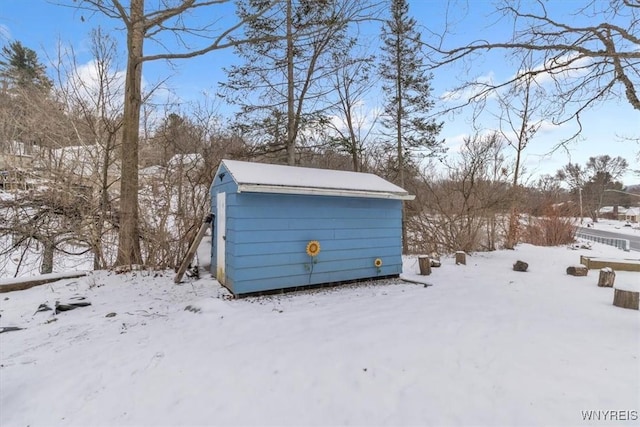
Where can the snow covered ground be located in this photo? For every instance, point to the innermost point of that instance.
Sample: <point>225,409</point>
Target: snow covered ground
<point>483,346</point>
<point>612,225</point>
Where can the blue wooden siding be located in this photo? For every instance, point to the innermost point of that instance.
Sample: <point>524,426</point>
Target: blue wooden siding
<point>267,235</point>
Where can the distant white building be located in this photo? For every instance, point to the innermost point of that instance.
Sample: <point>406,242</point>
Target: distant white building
<point>15,155</point>
<point>632,214</point>
<point>620,213</point>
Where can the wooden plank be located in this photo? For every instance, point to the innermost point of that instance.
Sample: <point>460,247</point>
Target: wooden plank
<point>595,263</point>
<point>193,248</point>
<point>22,284</point>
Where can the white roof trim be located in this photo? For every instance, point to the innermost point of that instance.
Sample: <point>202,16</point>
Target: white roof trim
<point>314,191</point>
<point>264,177</point>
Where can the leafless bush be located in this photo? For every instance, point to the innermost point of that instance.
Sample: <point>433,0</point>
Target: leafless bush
<point>552,229</point>
<point>463,210</point>
<point>173,202</point>
<point>174,190</point>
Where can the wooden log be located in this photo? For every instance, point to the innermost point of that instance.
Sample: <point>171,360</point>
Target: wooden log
<point>461,258</point>
<point>626,299</point>
<point>21,284</point>
<point>425,265</point>
<point>607,277</point>
<point>577,270</point>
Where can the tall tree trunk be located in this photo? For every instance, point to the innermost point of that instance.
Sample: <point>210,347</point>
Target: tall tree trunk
<point>99,261</point>
<point>291,125</point>
<point>399,114</point>
<point>523,139</point>
<point>129,233</point>
<point>352,134</point>
<point>47,257</point>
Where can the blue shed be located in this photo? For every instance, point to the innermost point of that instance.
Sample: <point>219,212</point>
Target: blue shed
<point>279,227</point>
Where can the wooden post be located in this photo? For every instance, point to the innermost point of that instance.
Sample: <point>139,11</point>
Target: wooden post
<point>425,265</point>
<point>626,299</point>
<point>461,258</point>
<point>585,261</point>
<point>607,277</point>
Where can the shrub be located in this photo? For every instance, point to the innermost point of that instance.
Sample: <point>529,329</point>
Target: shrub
<point>549,230</point>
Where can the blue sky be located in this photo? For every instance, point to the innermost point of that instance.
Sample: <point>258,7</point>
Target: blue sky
<point>41,25</point>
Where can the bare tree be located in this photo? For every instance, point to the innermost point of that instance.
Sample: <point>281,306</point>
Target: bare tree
<point>172,29</point>
<point>42,213</point>
<point>521,115</point>
<point>589,56</point>
<point>174,193</point>
<point>353,79</point>
<point>92,98</point>
<point>459,210</point>
<point>590,182</point>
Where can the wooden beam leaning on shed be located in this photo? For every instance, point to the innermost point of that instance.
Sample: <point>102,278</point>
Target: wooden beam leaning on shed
<point>193,247</point>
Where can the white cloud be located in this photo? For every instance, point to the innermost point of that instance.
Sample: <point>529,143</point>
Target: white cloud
<point>364,119</point>
<point>566,67</point>
<point>547,126</point>
<point>96,86</point>
<point>456,142</point>
<point>470,90</point>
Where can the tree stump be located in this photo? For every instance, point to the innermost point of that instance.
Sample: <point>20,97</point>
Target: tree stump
<point>435,259</point>
<point>577,270</point>
<point>626,299</point>
<point>607,277</point>
<point>520,266</point>
<point>425,265</point>
<point>461,258</point>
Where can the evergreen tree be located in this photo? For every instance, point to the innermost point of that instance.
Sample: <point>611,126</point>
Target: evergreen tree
<point>25,104</point>
<point>20,67</point>
<point>407,88</point>
<point>282,86</point>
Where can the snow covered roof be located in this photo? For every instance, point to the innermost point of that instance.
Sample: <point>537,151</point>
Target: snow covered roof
<point>268,178</point>
<point>632,212</point>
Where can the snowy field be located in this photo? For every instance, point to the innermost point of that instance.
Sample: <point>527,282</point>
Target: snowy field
<point>483,346</point>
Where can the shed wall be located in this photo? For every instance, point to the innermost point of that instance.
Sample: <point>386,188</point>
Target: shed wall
<point>267,235</point>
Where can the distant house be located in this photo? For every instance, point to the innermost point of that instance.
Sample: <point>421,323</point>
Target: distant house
<point>14,179</point>
<point>279,227</point>
<point>632,214</point>
<point>620,213</point>
<point>15,159</point>
<point>612,212</point>
<point>15,155</point>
